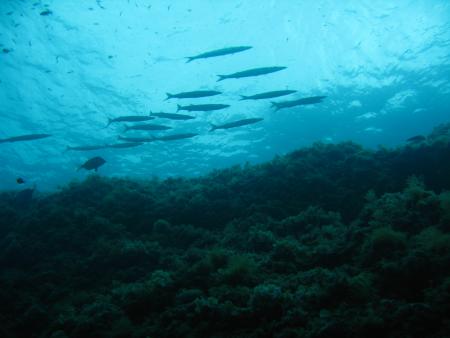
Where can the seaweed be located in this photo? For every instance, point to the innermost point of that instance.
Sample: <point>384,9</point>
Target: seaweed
<point>330,240</point>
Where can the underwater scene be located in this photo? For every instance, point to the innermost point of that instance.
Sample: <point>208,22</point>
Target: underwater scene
<point>224,168</point>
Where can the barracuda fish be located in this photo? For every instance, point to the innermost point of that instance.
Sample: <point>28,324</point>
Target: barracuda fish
<point>129,119</point>
<point>236,123</point>
<point>172,116</point>
<point>29,137</point>
<point>299,102</point>
<point>147,127</point>
<point>268,95</point>
<point>251,72</point>
<point>416,139</point>
<point>218,52</point>
<point>202,107</point>
<point>192,95</point>
<point>175,137</point>
<point>93,163</point>
<point>137,139</point>
<point>85,148</point>
<point>124,145</point>
<point>47,12</point>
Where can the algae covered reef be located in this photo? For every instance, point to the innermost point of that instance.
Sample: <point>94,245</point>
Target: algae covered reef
<point>333,240</point>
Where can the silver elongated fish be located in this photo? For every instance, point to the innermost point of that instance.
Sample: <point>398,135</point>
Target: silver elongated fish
<point>192,95</point>
<point>218,52</point>
<point>29,137</point>
<point>268,95</point>
<point>251,72</point>
<point>415,139</point>
<point>124,145</point>
<point>174,137</point>
<point>172,116</point>
<point>85,148</point>
<point>147,127</point>
<point>129,119</point>
<point>299,102</point>
<point>236,123</point>
<point>202,107</point>
<point>137,139</point>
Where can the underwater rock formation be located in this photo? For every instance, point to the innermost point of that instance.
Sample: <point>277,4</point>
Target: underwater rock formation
<point>328,241</point>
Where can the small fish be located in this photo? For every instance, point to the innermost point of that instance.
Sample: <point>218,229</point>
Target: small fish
<point>147,127</point>
<point>251,72</point>
<point>192,95</point>
<point>175,137</point>
<point>20,180</point>
<point>93,163</point>
<point>24,138</point>
<point>6,50</point>
<point>202,107</point>
<point>416,139</point>
<point>268,95</point>
<point>299,102</point>
<point>130,119</point>
<point>172,116</point>
<point>85,148</point>
<point>218,52</point>
<point>124,145</point>
<point>46,12</point>
<point>137,139</point>
<point>236,123</point>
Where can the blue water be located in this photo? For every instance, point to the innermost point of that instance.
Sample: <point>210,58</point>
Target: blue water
<point>384,67</point>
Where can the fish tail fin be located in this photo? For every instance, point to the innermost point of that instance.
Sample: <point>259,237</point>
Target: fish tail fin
<point>189,58</point>
<point>274,104</point>
<point>178,107</point>
<point>243,97</point>
<point>109,122</point>
<point>221,77</point>
<point>67,149</point>
<point>213,127</point>
<point>169,96</point>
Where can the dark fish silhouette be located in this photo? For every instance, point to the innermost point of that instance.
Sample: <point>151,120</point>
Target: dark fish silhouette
<point>137,139</point>
<point>124,145</point>
<point>85,148</point>
<point>251,72</point>
<point>202,107</point>
<point>236,123</point>
<point>24,138</point>
<point>147,127</point>
<point>46,12</point>
<point>172,116</point>
<point>218,52</point>
<point>299,102</point>
<point>175,137</point>
<point>129,119</point>
<point>20,180</point>
<point>268,95</point>
<point>415,139</point>
<point>93,163</point>
<point>193,95</point>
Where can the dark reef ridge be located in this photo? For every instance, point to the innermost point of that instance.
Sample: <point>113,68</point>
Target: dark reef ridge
<point>333,240</point>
